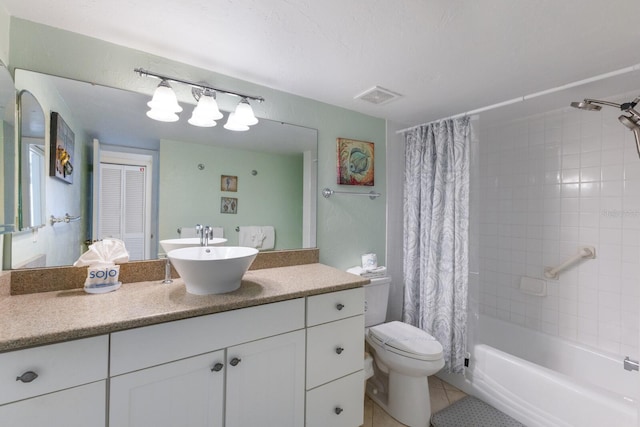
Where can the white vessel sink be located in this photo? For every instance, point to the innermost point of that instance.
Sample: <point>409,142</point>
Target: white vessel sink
<point>188,242</point>
<point>212,270</point>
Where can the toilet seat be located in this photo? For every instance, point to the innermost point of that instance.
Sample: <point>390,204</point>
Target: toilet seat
<point>406,340</point>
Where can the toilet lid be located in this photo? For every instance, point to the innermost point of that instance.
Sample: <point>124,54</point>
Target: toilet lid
<point>406,340</point>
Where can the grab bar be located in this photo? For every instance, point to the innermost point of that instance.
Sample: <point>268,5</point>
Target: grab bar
<point>66,218</point>
<point>584,252</point>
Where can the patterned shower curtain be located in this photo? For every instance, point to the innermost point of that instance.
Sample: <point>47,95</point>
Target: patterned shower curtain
<point>436,224</point>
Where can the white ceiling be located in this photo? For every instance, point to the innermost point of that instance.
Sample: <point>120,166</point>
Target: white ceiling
<point>444,56</point>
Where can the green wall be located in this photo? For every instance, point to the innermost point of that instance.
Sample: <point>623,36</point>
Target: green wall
<point>190,195</point>
<point>4,35</point>
<point>347,226</point>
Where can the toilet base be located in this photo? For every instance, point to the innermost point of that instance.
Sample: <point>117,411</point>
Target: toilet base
<point>404,398</point>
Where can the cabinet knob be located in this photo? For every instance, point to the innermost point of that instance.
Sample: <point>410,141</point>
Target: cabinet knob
<point>339,306</point>
<point>339,350</point>
<point>217,367</point>
<point>338,410</point>
<point>27,377</point>
<point>235,361</point>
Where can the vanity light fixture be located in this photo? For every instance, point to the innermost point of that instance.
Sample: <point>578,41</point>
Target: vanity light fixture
<point>244,113</point>
<point>164,104</point>
<point>206,112</point>
<point>234,124</point>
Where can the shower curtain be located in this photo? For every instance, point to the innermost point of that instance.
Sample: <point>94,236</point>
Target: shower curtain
<point>436,224</point>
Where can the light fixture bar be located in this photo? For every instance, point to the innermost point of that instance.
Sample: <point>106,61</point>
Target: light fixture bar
<point>147,73</point>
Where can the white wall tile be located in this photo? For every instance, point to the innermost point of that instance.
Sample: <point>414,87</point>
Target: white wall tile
<point>551,183</point>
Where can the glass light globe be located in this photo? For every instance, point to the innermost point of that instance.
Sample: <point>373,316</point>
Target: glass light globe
<point>244,113</point>
<point>233,124</point>
<point>164,99</point>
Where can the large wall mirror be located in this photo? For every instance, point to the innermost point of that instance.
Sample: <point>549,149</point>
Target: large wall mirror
<point>7,151</point>
<point>178,172</point>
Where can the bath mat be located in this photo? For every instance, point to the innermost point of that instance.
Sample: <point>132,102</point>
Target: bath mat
<point>472,412</point>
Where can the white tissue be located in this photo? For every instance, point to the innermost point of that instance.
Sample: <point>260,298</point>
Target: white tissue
<point>104,252</point>
<point>102,273</point>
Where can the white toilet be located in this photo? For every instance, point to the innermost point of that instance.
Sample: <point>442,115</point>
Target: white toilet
<point>404,356</point>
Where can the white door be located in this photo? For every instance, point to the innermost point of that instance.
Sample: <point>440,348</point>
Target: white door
<point>265,382</point>
<point>105,154</point>
<point>121,206</point>
<point>185,393</point>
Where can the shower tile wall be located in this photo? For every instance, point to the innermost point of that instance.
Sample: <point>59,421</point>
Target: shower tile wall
<point>549,183</point>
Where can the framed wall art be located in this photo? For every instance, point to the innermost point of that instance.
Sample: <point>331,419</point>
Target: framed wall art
<point>228,183</point>
<point>355,162</point>
<point>61,149</point>
<point>228,205</point>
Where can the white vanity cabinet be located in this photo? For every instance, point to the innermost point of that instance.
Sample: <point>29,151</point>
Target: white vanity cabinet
<point>55,385</point>
<point>236,368</point>
<point>286,364</point>
<point>335,359</point>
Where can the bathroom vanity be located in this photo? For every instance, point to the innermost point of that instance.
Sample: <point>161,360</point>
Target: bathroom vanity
<point>286,349</point>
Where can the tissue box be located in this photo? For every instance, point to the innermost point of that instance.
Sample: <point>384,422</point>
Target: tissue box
<point>102,278</point>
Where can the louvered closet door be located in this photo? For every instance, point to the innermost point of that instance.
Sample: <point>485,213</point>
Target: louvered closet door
<point>133,218</point>
<point>122,206</point>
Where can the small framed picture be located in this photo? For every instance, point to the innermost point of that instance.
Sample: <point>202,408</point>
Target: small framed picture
<point>228,183</point>
<point>61,148</point>
<point>355,162</point>
<point>228,205</point>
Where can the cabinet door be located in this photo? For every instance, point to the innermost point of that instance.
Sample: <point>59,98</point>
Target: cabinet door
<point>186,393</point>
<point>265,382</point>
<point>82,406</point>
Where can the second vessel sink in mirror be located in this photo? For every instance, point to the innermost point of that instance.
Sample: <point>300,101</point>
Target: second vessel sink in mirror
<point>188,242</point>
<point>212,270</point>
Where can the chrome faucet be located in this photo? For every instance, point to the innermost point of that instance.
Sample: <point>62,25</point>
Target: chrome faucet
<point>205,233</point>
<point>208,234</point>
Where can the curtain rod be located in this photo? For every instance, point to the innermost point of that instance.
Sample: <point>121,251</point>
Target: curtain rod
<point>599,77</point>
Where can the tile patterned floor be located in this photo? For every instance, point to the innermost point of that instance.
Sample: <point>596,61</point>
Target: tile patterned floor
<point>442,395</point>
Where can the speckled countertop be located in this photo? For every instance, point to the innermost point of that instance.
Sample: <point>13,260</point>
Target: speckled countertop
<point>48,317</point>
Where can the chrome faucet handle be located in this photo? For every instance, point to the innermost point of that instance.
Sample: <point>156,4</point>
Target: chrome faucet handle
<point>199,230</point>
<point>208,234</point>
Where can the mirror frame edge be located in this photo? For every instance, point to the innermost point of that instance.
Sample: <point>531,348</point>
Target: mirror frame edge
<point>19,227</point>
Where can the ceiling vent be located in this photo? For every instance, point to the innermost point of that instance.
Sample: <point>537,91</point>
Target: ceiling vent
<point>378,95</point>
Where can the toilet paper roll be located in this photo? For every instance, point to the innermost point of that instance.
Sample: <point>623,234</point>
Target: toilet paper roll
<point>369,261</point>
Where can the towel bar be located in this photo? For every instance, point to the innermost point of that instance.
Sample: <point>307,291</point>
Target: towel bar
<point>327,192</point>
<point>66,218</point>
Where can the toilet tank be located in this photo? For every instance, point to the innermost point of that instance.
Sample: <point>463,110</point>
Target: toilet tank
<point>376,297</point>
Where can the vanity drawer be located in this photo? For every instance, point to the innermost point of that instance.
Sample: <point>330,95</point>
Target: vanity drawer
<point>140,348</point>
<point>334,350</point>
<point>337,404</point>
<point>57,366</point>
<point>334,306</point>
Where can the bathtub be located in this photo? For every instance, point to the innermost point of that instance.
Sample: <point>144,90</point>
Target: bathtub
<point>560,384</point>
